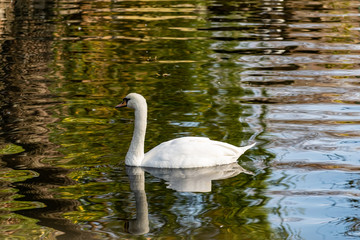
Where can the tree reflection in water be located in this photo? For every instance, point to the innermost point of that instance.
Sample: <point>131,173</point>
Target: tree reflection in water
<point>24,109</point>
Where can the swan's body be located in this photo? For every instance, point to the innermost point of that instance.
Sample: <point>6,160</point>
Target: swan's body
<point>185,152</point>
<point>190,152</point>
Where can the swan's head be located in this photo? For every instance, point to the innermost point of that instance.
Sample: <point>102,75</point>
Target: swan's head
<point>132,100</point>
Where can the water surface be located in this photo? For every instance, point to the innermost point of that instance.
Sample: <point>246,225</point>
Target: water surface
<point>282,73</point>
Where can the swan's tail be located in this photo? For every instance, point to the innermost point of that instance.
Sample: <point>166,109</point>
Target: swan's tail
<point>244,149</point>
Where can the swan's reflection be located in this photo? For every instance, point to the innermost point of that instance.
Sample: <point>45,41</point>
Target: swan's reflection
<point>182,180</point>
<point>195,179</point>
<point>140,225</point>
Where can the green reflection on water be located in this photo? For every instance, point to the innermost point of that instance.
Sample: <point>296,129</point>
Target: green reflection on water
<point>11,176</point>
<point>12,224</point>
<point>19,227</point>
<point>11,149</point>
<point>189,94</point>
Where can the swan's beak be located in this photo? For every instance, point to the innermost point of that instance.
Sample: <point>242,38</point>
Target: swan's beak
<point>123,104</point>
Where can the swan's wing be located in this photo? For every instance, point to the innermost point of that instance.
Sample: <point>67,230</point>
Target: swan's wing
<point>191,152</point>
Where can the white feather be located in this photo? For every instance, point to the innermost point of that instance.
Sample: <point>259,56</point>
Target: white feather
<point>185,152</point>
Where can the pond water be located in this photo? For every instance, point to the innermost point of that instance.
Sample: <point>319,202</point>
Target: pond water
<point>283,73</point>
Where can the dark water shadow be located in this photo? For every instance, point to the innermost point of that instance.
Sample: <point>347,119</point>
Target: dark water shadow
<point>25,114</point>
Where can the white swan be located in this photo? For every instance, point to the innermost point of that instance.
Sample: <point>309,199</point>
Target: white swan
<point>185,152</point>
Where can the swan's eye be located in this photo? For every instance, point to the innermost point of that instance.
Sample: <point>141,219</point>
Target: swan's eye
<point>126,99</point>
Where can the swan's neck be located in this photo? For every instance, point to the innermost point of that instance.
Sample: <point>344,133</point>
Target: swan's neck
<point>135,154</point>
